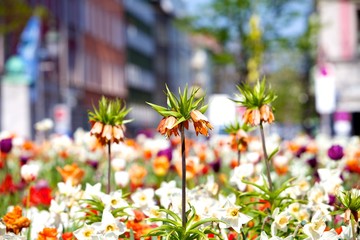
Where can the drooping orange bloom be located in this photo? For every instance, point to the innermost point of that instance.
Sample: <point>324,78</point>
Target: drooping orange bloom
<point>252,117</point>
<point>239,141</point>
<point>201,123</point>
<point>107,133</point>
<point>14,220</point>
<point>71,172</point>
<point>161,165</point>
<point>266,114</point>
<point>48,234</point>
<point>137,174</point>
<point>167,126</point>
<point>256,116</point>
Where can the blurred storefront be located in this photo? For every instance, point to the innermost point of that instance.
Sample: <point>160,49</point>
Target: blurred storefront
<point>121,49</point>
<point>339,59</point>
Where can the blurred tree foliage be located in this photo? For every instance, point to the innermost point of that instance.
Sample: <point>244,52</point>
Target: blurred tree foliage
<point>251,34</point>
<point>13,15</point>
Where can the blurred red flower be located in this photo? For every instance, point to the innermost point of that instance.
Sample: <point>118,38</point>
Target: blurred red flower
<point>7,185</point>
<point>39,196</point>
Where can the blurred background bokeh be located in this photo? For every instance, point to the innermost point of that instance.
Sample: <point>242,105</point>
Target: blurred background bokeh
<point>58,57</point>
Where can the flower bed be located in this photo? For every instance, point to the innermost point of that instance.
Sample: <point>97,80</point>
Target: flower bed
<point>58,189</point>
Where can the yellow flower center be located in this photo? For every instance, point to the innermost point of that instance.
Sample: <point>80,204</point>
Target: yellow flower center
<point>295,209</point>
<point>114,202</point>
<point>283,221</point>
<point>110,228</point>
<point>233,212</point>
<point>317,225</point>
<point>88,233</point>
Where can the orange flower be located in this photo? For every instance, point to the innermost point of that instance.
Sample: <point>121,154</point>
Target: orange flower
<point>97,129</point>
<point>48,234</point>
<point>201,123</point>
<point>161,165</point>
<point>14,220</point>
<point>266,114</point>
<point>137,174</point>
<point>252,117</point>
<point>239,141</point>
<point>167,126</point>
<point>353,162</point>
<point>71,172</point>
<point>192,167</point>
<point>68,236</point>
<point>147,154</point>
<point>107,133</point>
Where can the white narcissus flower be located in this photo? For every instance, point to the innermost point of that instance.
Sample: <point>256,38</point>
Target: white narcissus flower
<point>166,190</point>
<point>29,172</point>
<point>231,215</point>
<point>301,186</point>
<point>241,172</point>
<point>57,208</point>
<point>330,235</point>
<point>114,200</point>
<point>316,227</point>
<point>153,212</point>
<point>330,180</point>
<point>109,224</point>
<point>281,221</point>
<point>68,190</point>
<point>92,191</point>
<point>143,198</point>
<point>317,195</point>
<point>85,233</point>
<point>294,209</point>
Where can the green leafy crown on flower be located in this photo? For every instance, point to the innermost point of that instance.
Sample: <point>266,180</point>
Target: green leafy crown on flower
<point>255,97</point>
<point>110,112</point>
<point>181,107</point>
<point>350,199</point>
<point>233,128</point>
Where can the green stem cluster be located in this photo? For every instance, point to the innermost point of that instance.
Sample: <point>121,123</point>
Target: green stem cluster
<point>183,176</point>
<point>109,169</point>
<point>267,162</point>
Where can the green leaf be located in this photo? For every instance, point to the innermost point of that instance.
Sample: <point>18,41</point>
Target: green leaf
<point>262,188</point>
<point>275,151</point>
<point>203,109</point>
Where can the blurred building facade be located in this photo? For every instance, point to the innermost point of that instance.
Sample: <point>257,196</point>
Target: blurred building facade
<point>339,63</point>
<point>126,49</point>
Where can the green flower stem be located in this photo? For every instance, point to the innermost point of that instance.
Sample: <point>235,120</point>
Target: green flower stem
<point>27,207</point>
<point>352,221</point>
<point>109,168</point>
<point>267,162</point>
<point>183,175</point>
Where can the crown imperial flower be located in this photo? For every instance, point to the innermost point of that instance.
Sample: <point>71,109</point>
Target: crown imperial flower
<point>257,101</point>
<point>182,110</point>
<point>108,121</point>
